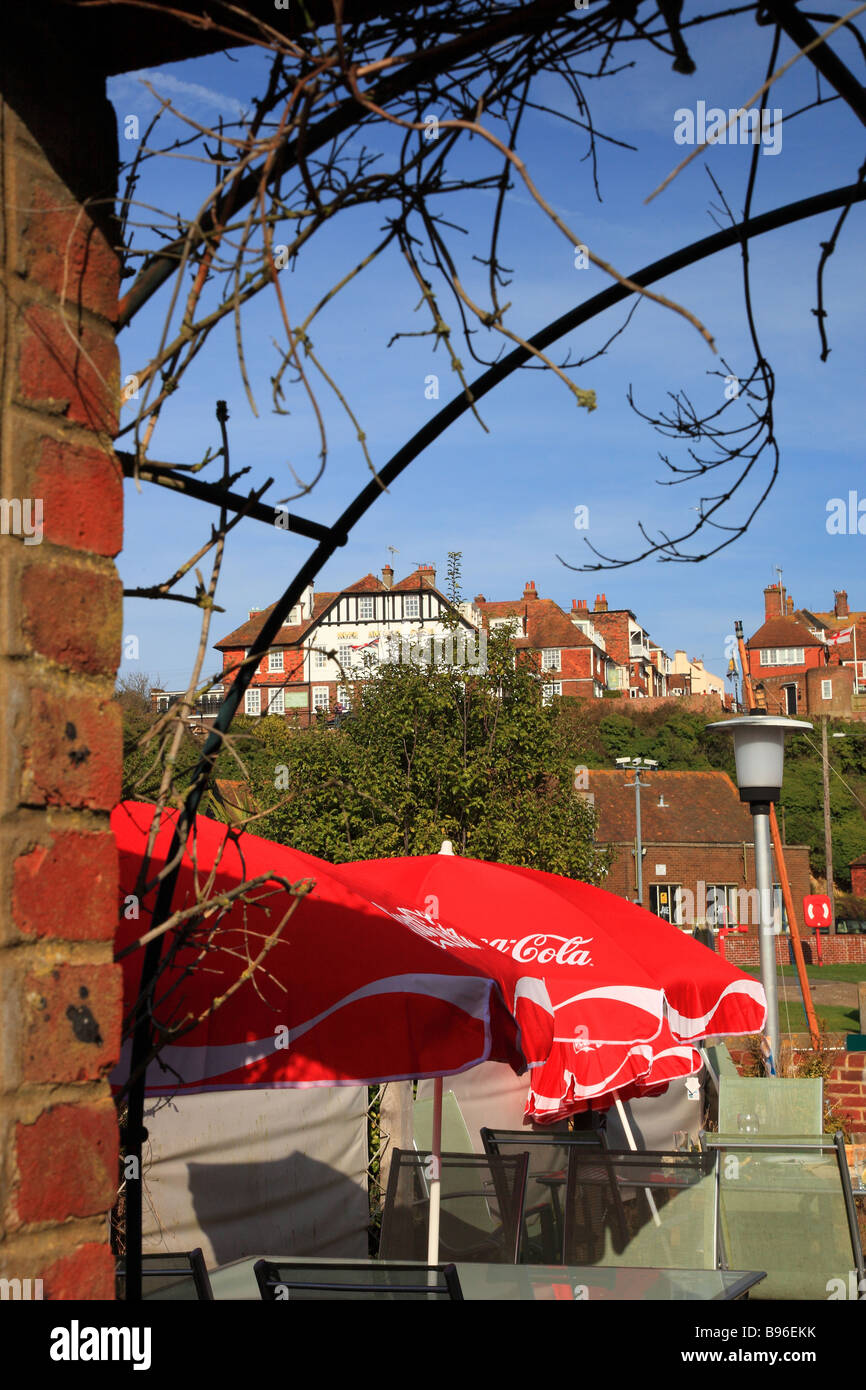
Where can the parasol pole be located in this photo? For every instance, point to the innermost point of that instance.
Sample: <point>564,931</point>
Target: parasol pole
<point>623,1119</point>
<point>435,1178</point>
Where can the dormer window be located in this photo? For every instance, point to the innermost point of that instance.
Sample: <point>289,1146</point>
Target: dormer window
<point>365,610</point>
<point>412,606</point>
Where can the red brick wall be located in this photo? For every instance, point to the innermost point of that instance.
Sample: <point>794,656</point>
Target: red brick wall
<point>686,864</point>
<point>846,1088</point>
<point>836,950</point>
<point>701,704</point>
<point>60,634</point>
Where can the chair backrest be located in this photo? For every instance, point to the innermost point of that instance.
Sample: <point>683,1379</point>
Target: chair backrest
<point>171,1275</point>
<point>547,1150</point>
<point>455,1135</point>
<point>283,1280</point>
<point>481,1204</point>
<point>645,1210</point>
<point>762,1105</point>
<point>786,1207</point>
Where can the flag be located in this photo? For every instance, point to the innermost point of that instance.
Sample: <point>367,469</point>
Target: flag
<point>835,639</point>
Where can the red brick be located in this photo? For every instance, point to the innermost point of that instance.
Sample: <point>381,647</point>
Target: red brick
<point>70,1029</point>
<point>66,254</point>
<point>86,1274</point>
<point>67,1163</point>
<point>72,752</point>
<point>82,494</point>
<point>845,1088</point>
<point>68,888</point>
<point>68,371</point>
<point>87,635</point>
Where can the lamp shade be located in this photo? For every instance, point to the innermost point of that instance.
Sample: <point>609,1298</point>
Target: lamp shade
<point>759,750</point>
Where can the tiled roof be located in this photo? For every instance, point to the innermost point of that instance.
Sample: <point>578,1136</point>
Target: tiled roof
<point>547,624</point>
<point>702,807</point>
<point>784,632</point>
<point>245,635</point>
<point>419,579</point>
<point>368,585</point>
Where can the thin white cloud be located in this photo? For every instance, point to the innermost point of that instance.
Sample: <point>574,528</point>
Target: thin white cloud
<point>166,84</point>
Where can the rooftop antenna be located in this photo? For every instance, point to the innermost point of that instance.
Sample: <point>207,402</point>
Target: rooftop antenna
<point>393,549</point>
<point>778,569</point>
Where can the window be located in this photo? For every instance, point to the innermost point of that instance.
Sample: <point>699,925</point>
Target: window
<point>782,656</point>
<point>549,689</point>
<point>515,622</point>
<point>277,702</point>
<point>345,656</point>
<point>550,659</point>
<point>826,690</point>
<point>365,609</point>
<point>253,700</point>
<point>344,696</point>
<point>721,905</point>
<point>412,606</point>
<point>665,902</point>
<point>275,661</point>
<point>321,697</point>
<point>320,659</point>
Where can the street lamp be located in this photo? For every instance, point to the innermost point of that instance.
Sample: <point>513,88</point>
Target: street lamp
<point>637,765</point>
<point>759,751</point>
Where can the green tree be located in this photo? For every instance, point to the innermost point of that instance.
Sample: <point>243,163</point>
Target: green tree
<point>432,752</point>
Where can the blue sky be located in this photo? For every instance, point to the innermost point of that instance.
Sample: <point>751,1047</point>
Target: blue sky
<point>507,498</point>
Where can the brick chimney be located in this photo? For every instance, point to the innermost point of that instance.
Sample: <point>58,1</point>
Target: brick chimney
<point>254,611</point>
<point>840,606</point>
<point>479,598</point>
<point>529,590</point>
<point>427,574</point>
<point>387,575</point>
<point>601,603</point>
<point>789,606</point>
<point>774,601</point>
<point>579,605</point>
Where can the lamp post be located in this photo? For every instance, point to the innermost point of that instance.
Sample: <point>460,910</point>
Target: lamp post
<point>759,750</point>
<point>637,765</point>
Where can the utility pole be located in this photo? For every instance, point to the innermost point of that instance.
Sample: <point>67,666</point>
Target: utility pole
<point>828,842</point>
<point>637,765</point>
<point>639,855</point>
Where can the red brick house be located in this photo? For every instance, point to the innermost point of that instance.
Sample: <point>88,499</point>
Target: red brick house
<point>782,652</point>
<point>699,853</point>
<point>333,639</point>
<point>571,657</point>
<point>629,645</point>
<point>858,876</point>
<point>797,660</point>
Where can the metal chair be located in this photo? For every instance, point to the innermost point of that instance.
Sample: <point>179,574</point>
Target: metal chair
<point>170,1275</point>
<point>283,1280</point>
<point>771,1105</point>
<point>547,1150</point>
<point>481,1207</point>
<point>645,1210</point>
<point>786,1206</point>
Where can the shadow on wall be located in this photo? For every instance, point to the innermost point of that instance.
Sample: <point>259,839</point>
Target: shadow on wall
<point>290,1206</point>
